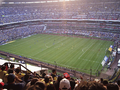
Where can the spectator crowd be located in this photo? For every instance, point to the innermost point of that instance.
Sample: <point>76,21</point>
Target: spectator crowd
<point>69,10</point>
<point>19,32</point>
<point>15,79</point>
<point>24,31</point>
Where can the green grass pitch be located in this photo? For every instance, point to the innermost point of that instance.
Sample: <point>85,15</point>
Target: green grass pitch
<point>80,54</point>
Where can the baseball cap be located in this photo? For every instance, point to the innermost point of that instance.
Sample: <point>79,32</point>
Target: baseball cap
<point>1,84</point>
<point>64,84</point>
<point>66,75</point>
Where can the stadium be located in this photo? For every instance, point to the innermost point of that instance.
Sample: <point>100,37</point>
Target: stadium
<point>78,37</point>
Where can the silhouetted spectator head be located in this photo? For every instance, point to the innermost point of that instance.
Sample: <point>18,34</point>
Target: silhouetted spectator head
<point>64,84</point>
<point>50,87</point>
<point>40,84</point>
<point>59,78</point>
<point>54,71</point>
<point>11,78</point>
<point>56,84</point>
<point>26,78</point>
<point>82,86</point>
<point>46,79</point>
<point>118,82</point>
<point>17,70</point>
<point>12,66</point>
<point>105,82</point>
<point>34,87</point>
<point>101,80</point>
<point>3,68</point>
<point>33,81</point>
<point>43,75</point>
<point>96,86</point>
<point>10,71</point>
<point>72,83</point>
<point>6,66</point>
<point>112,86</point>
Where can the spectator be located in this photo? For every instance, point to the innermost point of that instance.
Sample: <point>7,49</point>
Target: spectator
<point>2,72</point>
<point>32,82</point>
<point>1,84</point>
<point>96,86</point>
<point>54,75</point>
<point>66,75</point>
<point>50,87</point>
<point>118,82</point>
<point>82,86</point>
<point>12,66</point>
<point>27,78</point>
<point>56,84</point>
<point>34,87</point>
<point>72,83</point>
<point>48,80</point>
<point>43,75</point>
<point>11,83</point>
<point>105,83</point>
<point>112,86</point>
<point>40,84</point>
<point>6,66</point>
<point>101,80</point>
<point>65,84</point>
<point>9,72</point>
<point>19,74</point>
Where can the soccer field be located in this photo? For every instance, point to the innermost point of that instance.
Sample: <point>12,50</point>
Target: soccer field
<point>80,54</point>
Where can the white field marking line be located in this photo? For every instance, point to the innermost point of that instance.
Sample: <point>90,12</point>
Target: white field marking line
<point>45,45</point>
<point>90,60</point>
<point>46,48</point>
<point>43,60</point>
<point>66,65</point>
<point>15,46</point>
<point>98,67</point>
<point>42,50</point>
<point>54,63</point>
<point>52,45</point>
<point>86,50</point>
<point>83,49</point>
<point>77,56</point>
<point>58,46</point>
<point>98,62</point>
<point>97,56</point>
<point>27,40</point>
<point>68,54</point>
<point>15,52</point>
<point>62,57</point>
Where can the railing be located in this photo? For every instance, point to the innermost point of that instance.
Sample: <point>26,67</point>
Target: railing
<point>20,65</point>
<point>116,76</point>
